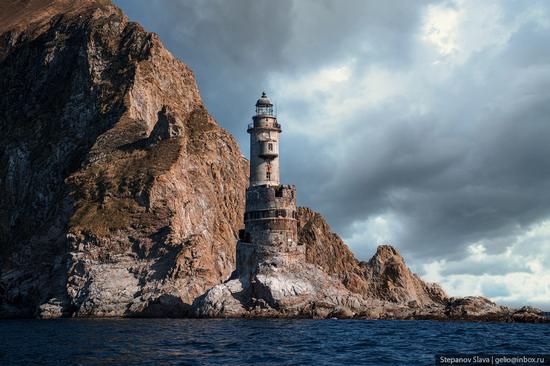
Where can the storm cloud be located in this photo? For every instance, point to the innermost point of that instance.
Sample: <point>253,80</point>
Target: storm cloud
<point>423,124</point>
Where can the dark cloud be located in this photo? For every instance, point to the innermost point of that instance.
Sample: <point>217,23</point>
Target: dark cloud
<point>492,265</point>
<point>470,165</point>
<point>233,46</point>
<point>474,168</point>
<point>230,46</point>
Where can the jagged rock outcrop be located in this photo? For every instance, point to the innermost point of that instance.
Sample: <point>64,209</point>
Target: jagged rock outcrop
<point>389,278</point>
<point>121,196</point>
<point>279,287</point>
<point>384,277</point>
<point>278,284</point>
<point>325,249</point>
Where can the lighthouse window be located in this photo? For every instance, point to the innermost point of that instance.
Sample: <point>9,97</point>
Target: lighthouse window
<point>268,175</point>
<point>270,146</point>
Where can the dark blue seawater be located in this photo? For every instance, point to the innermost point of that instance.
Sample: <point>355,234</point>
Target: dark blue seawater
<point>257,342</point>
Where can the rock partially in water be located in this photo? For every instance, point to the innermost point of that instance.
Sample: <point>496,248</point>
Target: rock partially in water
<point>279,287</point>
<point>382,288</point>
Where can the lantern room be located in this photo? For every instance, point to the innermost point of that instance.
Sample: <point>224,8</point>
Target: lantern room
<point>264,107</point>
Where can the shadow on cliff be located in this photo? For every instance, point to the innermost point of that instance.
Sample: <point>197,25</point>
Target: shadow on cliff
<point>165,255</point>
<point>165,128</point>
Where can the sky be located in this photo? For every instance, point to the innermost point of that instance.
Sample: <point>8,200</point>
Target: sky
<point>422,124</point>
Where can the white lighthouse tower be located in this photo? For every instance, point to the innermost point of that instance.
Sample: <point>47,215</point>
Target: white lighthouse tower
<point>264,145</point>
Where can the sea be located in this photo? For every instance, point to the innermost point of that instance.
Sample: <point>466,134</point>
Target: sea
<point>258,342</point>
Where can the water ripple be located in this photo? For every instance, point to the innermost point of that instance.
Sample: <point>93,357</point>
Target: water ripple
<point>258,342</point>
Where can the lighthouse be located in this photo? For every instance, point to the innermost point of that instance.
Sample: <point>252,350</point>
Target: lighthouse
<point>264,144</point>
<point>270,230</point>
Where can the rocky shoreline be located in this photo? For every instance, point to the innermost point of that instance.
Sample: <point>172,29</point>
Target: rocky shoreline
<point>124,198</point>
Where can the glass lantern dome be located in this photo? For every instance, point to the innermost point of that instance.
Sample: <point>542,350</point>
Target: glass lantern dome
<point>264,107</point>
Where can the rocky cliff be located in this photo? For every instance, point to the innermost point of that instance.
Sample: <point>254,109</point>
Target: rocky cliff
<point>385,276</point>
<point>119,191</point>
<point>121,196</point>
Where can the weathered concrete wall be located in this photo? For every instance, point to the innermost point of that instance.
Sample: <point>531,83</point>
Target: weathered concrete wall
<point>265,131</point>
<point>271,227</point>
<point>249,255</point>
<point>271,197</point>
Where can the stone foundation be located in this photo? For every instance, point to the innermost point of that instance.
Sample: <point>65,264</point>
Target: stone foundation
<point>271,228</point>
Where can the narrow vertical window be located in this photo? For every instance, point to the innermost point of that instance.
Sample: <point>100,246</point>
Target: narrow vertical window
<point>270,146</point>
<point>268,175</point>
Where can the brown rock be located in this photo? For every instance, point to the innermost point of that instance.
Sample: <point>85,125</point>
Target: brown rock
<point>390,279</point>
<point>382,288</point>
<point>384,277</point>
<point>325,249</point>
<point>122,193</point>
<point>528,314</point>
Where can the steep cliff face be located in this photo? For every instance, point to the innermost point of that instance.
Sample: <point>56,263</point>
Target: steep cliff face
<point>119,191</point>
<point>389,278</point>
<point>326,249</point>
